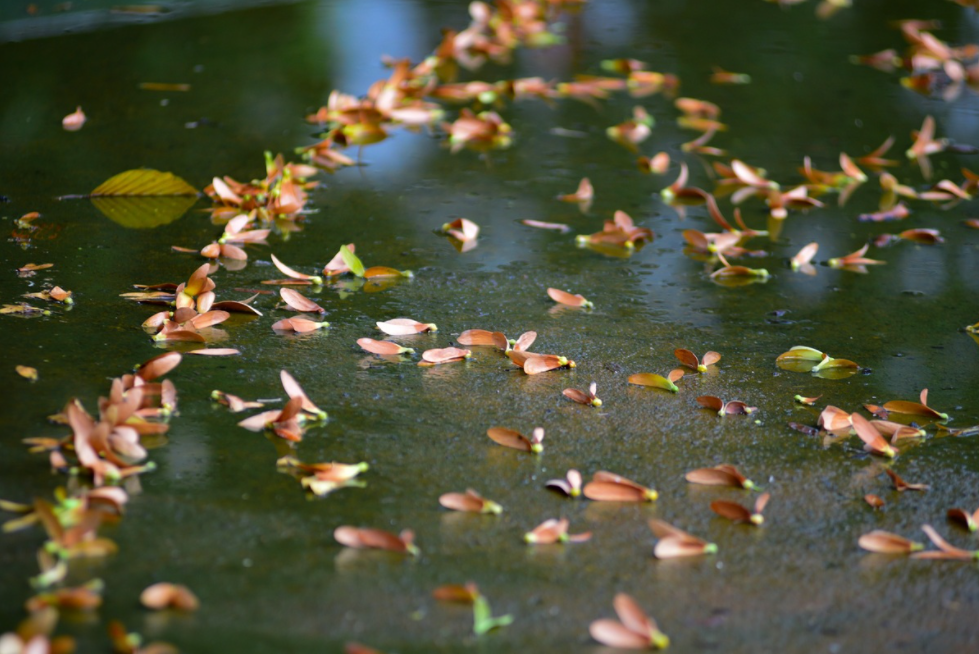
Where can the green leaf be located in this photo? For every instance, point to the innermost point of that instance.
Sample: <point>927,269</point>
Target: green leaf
<point>654,380</point>
<point>144,181</point>
<point>483,620</point>
<point>352,260</point>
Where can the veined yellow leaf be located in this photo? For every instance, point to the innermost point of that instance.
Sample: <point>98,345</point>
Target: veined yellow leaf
<point>143,181</point>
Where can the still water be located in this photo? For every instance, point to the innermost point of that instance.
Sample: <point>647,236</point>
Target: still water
<point>216,514</point>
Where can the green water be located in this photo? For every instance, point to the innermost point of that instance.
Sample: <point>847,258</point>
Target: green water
<point>216,514</point>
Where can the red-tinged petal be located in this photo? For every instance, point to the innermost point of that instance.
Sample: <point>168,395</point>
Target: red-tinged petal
<point>834,419</point>
<point>538,363</point>
<point>873,500</point>
<point>260,421</point>
<point>357,648</point>
<point>234,306</point>
<point>294,274</point>
<point>730,510</point>
<point>710,358</point>
<point>548,532</point>
<point>654,380</point>
<point>209,319</point>
<point>180,335</point>
<point>607,491</point>
<point>468,501</point>
<point>663,529</point>
<point>963,518</point>
<point>382,347</point>
<point>675,548</point>
<point>298,302</point>
<point>233,252</point>
<point>714,477</point>
<point>298,325</point>
<point>584,192</point>
<point>445,355</point>
<point>480,337</point>
<point>296,392</point>
<point>631,615</point>
<point>575,395</point>
<point>561,227</point>
<point>509,438</point>
<point>158,366</point>
<point>462,229</point>
<point>711,402</point>
<point>687,358</point>
<point>900,485</point>
<point>676,375</point>
<point>74,121</point>
<point>216,351</point>
<point>615,634</point>
<point>874,442</point>
<point>405,327</point>
<point>524,341</point>
<point>913,408</point>
<point>166,595</point>
<point>884,542</point>
<point>946,547</point>
<point>563,297</point>
<point>736,407</point>
<point>465,594</point>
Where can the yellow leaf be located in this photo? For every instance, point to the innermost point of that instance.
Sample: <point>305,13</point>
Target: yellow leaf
<point>144,181</point>
<point>27,372</point>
